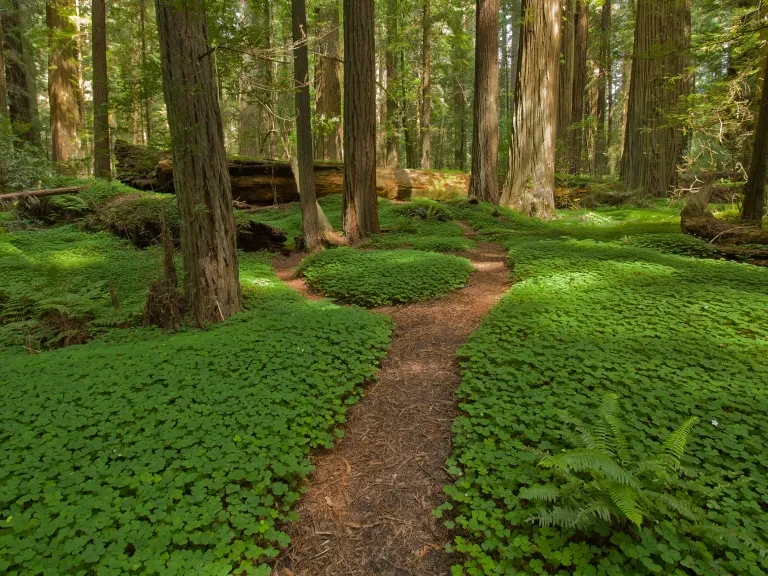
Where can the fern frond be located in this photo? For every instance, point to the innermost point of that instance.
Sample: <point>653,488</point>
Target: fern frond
<point>625,499</point>
<point>542,492</point>
<point>668,503</point>
<point>594,462</point>
<point>674,445</point>
<point>720,534</point>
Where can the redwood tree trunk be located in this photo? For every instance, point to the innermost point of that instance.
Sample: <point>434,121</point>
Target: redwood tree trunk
<point>18,85</point>
<point>603,88</point>
<point>360,210</point>
<point>484,181</point>
<point>654,139</point>
<point>576,133</point>
<point>328,86</point>
<point>530,183</point>
<point>3,89</point>
<point>309,214</point>
<point>101,158</point>
<point>201,179</point>
<point>393,114</point>
<point>269,81</point>
<point>426,89</point>
<point>63,85</point>
<point>754,191</point>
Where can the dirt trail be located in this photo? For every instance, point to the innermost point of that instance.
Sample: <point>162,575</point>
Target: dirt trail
<point>368,506</point>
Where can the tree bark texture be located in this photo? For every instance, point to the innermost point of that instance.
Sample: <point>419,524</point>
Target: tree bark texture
<point>566,60</point>
<point>484,179</point>
<point>576,133</point>
<point>203,193</point>
<point>393,113</point>
<point>659,84</point>
<point>530,184</point>
<point>603,88</point>
<point>360,210</point>
<point>754,190</point>
<point>102,167</point>
<point>328,86</point>
<point>309,213</point>
<point>18,85</point>
<point>63,85</point>
<point>426,88</point>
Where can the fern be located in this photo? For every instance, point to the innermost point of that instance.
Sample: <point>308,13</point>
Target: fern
<point>674,446</point>
<point>593,461</point>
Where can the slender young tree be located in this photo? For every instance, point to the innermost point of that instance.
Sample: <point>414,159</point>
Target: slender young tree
<point>603,89</point>
<point>393,112</point>
<point>566,59</point>
<point>63,85</point>
<point>530,183</point>
<point>755,188</point>
<point>3,88</point>
<point>581,41</point>
<point>18,83</point>
<point>101,156</point>
<point>360,210</point>
<point>328,85</point>
<point>200,174</point>
<point>659,84</point>
<point>484,180</point>
<point>426,87</point>
<point>309,215</point>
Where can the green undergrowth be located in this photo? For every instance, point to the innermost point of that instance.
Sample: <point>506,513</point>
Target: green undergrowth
<point>418,225</point>
<point>592,313</point>
<point>146,453</point>
<point>55,284</point>
<point>376,278</point>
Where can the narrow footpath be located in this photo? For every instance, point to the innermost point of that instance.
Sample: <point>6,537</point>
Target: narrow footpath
<point>368,506</point>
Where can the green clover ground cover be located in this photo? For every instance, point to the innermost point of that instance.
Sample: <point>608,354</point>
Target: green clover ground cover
<point>376,278</point>
<point>144,453</point>
<point>673,336</point>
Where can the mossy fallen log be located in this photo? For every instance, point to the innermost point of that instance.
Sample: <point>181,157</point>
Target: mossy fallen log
<point>262,182</point>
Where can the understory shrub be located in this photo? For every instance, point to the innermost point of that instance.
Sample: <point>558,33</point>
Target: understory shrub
<point>675,337</point>
<point>377,278</point>
<point>175,454</point>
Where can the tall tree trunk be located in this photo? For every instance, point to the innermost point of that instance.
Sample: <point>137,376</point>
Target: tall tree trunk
<point>309,214</point>
<point>567,50</point>
<point>101,159</point>
<point>200,175</point>
<point>530,183</point>
<point>426,87</point>
<point>3,88</point>
<point>63,85</point>
<point>328,85</point>
<point>603,88</point>
<point>659,84</point>
<point>269,81</point>
<point>145,100</point>
<point>576,135</point>
<point>393,113</point>
<point>484,181</point>
<point>360,210</point>
<point>18,82</point>
<point>754,190</point>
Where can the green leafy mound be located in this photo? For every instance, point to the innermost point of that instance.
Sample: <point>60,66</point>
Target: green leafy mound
<point>175,454</point>
<point>681,244</point>
<point>377,278</point>
<point>674,337</point>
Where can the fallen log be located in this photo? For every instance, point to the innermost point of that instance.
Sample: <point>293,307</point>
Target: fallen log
<point>262,182</point>
<point>13,196</point>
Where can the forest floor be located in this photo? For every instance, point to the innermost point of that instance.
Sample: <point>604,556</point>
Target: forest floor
<point>368,505</point>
